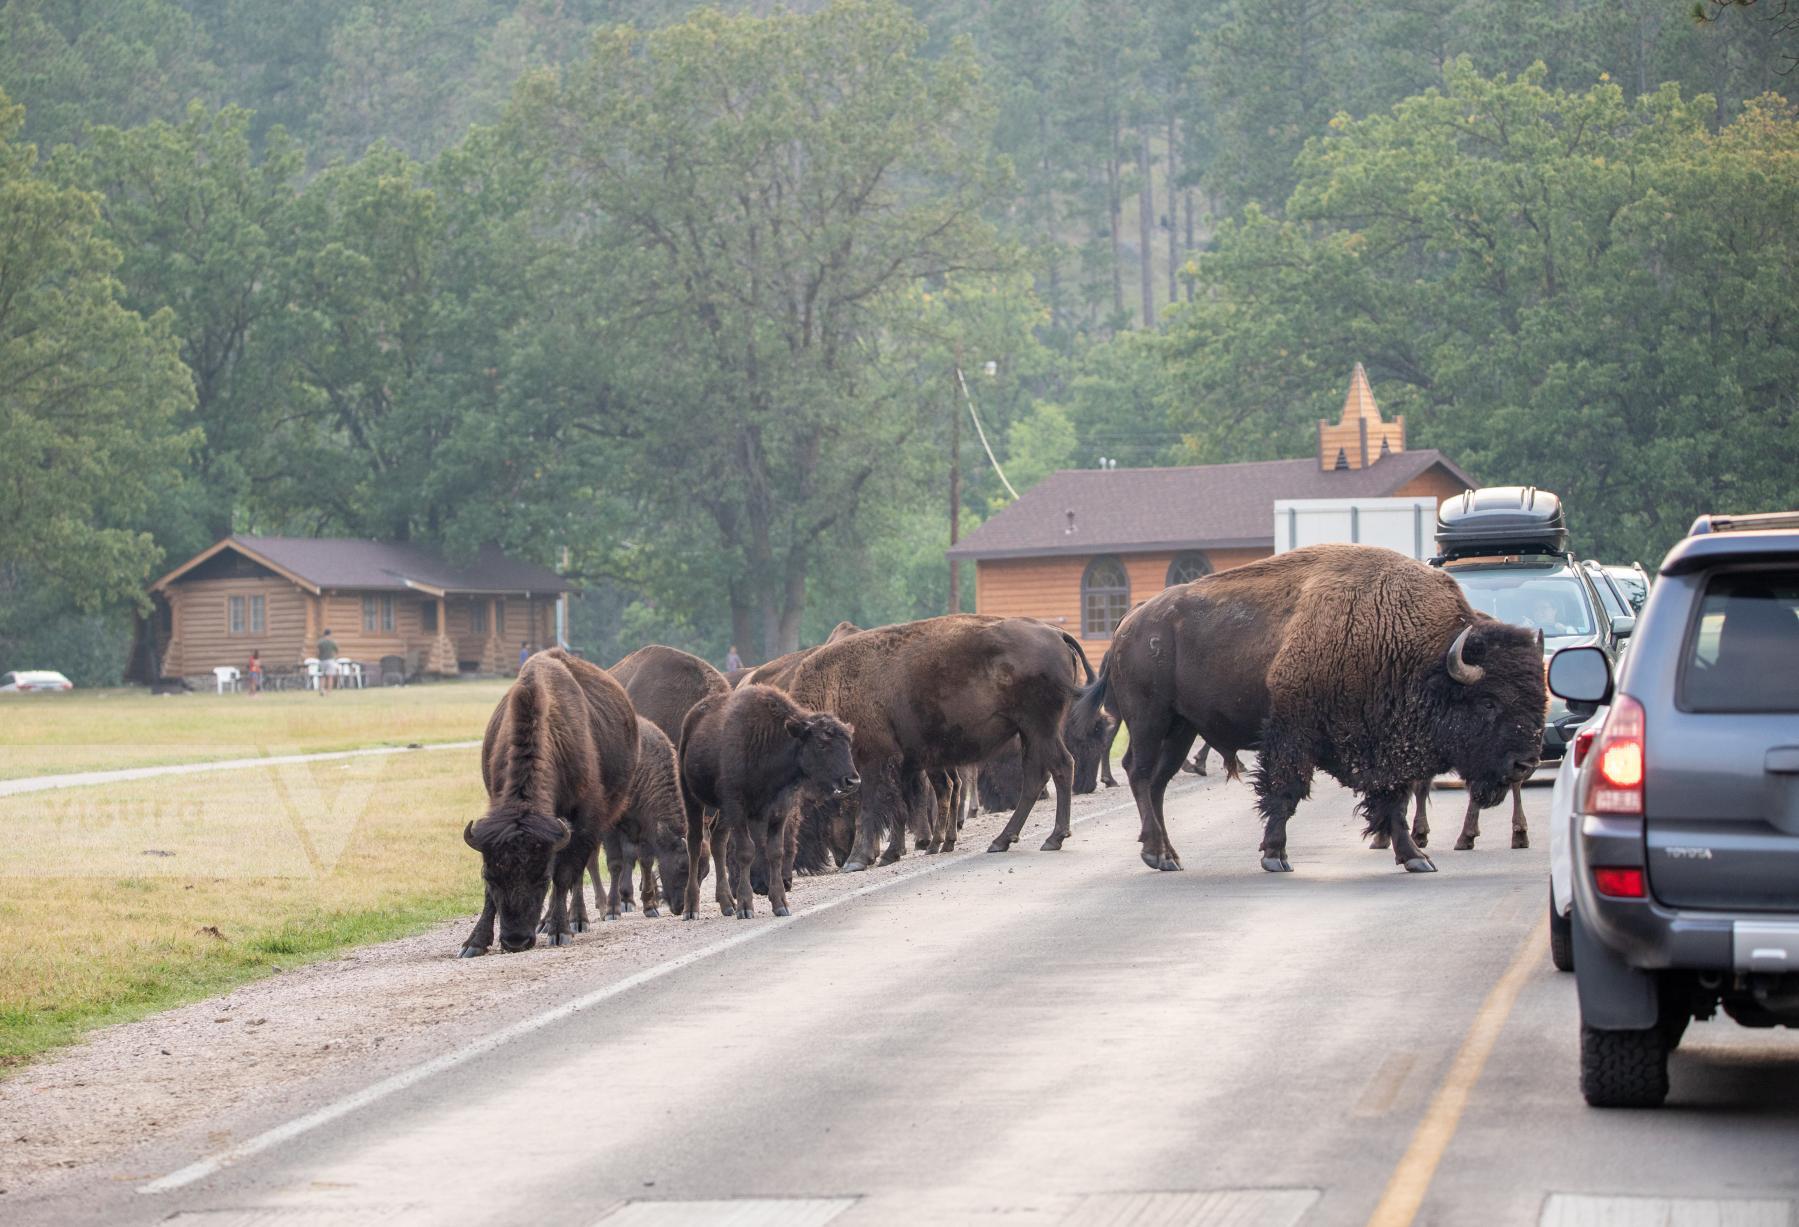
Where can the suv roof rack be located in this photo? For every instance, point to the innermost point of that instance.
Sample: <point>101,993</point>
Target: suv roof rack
<point>1744,524</point>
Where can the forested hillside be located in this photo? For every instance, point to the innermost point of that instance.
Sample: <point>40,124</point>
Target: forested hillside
<point>683,290</point>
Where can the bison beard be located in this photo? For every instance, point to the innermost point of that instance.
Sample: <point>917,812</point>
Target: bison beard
<point>1349,659</point>
<point>557,761</point>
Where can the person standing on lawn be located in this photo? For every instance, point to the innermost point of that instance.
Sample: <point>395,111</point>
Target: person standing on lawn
<point>254,673</point>
<point>327,655</point>
<point>524,654</point>
<point>732,659</point>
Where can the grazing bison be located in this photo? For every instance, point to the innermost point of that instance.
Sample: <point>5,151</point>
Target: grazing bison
<point>1347,658</point>
<point>664,683</point>
<point>940,693</point>
<point>746,754</point>
<point>652,832</point>
<point>557,761</point>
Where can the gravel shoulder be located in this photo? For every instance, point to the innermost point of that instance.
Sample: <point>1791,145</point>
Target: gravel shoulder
<point>134,1100</point>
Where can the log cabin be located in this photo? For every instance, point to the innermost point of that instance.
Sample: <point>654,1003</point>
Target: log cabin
<point>277,595</point>
<point>1083,547</point>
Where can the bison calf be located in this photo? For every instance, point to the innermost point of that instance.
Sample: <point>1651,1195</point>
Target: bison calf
<point>748,755</point>
<point>651,834</point>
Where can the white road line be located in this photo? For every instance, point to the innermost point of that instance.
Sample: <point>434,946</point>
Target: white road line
<point>401,1081</point>
<point>84,779</point>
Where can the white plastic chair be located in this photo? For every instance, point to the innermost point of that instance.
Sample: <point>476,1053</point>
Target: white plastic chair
<point>349,673</point>
<point>227,678</point>
<point>312,672</point>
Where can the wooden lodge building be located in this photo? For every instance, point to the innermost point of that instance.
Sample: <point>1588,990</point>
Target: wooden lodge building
<point>276,595</point>
<point>1082,547</point>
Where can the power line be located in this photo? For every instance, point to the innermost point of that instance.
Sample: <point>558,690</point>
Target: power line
<point>991,458</point>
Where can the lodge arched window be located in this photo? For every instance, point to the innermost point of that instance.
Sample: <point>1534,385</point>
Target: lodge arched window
<point>1105,597</point>
<point>1188,567</point>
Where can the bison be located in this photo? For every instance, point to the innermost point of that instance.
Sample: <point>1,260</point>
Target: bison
<point>939,693</point>
<point>746,754</point>
<point>557,761</point>
<point>652,832</point>
<point>663,683</point>
<point>1347,658</point>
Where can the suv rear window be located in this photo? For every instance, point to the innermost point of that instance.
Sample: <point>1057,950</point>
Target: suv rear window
<point>1742,652</point>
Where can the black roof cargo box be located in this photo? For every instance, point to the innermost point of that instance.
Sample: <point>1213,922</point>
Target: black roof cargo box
<point>1502,520</point>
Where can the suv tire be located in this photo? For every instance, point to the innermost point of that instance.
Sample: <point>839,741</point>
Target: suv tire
<point>1561,936</point>
<point>1624,1069</point>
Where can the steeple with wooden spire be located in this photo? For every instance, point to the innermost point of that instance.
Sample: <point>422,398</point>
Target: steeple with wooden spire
<point>1359,438</point>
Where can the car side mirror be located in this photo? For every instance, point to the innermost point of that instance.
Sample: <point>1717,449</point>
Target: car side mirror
<point>1622,626</point>
<point>1581,675</point>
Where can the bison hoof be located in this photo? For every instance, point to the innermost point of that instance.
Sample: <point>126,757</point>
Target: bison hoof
<point>1464,844</point>
<point>1052,844</point>
<point>999,844</point>
<point>652,912</point>
<point>744,913</point>
<point>1277,864</point>
<point>888,858</point>
<point>561,939</point>
<point>612,916</point>
<point>782,911</point>
<point>578,926</point>
<point>472,952</point>
<point>688,916</point>
<point>727,909</point>
<point>1169,864</point>
<point>1420,864</point>
<point>852,867</point>
<point>1520,839</point>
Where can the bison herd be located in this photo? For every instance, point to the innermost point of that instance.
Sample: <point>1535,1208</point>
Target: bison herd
<point>1348,659</point>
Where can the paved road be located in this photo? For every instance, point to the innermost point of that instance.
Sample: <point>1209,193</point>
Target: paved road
<point>1051,1039</point>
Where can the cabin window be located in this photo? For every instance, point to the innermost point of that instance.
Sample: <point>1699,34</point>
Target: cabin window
<point>477,618</point>
<point>1188,567</point>
<point>1105,597</point>
<point>377,614</point>
<point>428,617</point>
<point>257,615</point>
<point>237,615</point>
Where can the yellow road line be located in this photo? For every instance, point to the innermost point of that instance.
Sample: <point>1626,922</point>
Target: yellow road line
<point>1411,1179</point>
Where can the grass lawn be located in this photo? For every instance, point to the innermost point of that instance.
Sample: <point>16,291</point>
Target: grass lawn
<point>121,900</point>
<point>98,730</point>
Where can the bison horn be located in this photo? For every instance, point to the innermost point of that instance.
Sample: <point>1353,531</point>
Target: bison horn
<point>568,833</point>
<point>1459,669</point>
<point>468,837</point>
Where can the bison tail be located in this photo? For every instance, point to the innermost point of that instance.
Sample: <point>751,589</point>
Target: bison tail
<point>1093,699</point>
<point>1080,654</point>
<point>1233,766</point>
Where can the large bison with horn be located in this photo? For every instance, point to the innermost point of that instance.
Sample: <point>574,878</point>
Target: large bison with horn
<point>1347,658</point>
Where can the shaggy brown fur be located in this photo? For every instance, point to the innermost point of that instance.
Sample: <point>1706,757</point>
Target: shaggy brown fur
<point>663,683</point>
<point>748,755</point>
<point>651,834</point>
<point>1339,658</point>
<point>557,762</point>
<point>942,693</point>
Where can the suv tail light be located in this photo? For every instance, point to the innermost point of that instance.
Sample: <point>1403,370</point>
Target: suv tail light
<point>1615,782</point>
<point>1622,883</point>
<point>1583,741</point>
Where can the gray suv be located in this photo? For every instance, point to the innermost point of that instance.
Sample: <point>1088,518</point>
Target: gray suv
<point>1686,809</point>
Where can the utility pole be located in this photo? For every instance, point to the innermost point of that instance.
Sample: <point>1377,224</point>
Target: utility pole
<point>955,480</point>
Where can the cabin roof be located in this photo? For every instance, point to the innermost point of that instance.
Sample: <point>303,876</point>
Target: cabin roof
<point>1217,506</point>
<point>340,563</point>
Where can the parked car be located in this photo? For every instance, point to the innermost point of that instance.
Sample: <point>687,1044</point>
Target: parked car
<point>1633,581</point>
<point>22,681</point>
<point>1684,872</point>
<point>1561,841</point>
<point>1611,594</point>
<point>1507,546</point>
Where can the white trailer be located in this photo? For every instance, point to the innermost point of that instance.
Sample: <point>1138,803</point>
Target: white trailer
<point>1404,524</point>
